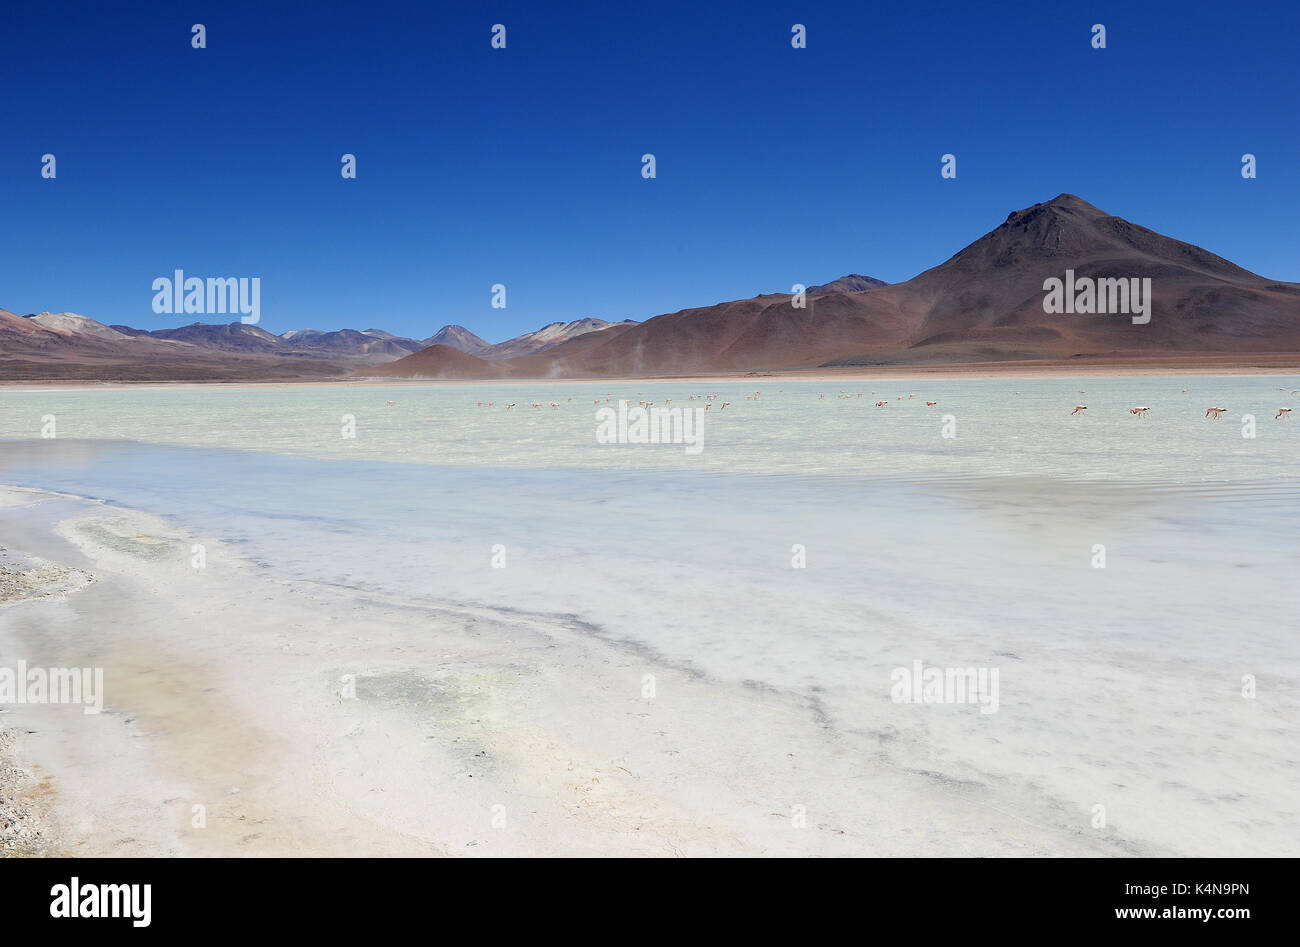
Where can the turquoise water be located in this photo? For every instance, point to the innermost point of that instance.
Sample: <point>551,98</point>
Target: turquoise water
<point>788,430</point>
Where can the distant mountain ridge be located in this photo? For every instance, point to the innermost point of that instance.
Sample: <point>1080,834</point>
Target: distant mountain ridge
<point>853,283</point>
<point>459,338</point>
<point>70,323</point>
<point>985,303</point>
<point>43,344</point>
<point>549,336</point>
<point>369,346</point>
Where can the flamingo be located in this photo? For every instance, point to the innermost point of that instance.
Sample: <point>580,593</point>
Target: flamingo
<point>510,405</point>
<point>1078,408</point>
<point>1140,412</point>
<point>1214,412</point>
<point>724,405</point>
<point>1281,413</point>
<point>931,404</point>
<point>390,403</point>
<point>882,404</point>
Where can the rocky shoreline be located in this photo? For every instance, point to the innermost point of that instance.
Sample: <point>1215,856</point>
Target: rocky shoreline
<point>25,828</point>
<point>23,577</point>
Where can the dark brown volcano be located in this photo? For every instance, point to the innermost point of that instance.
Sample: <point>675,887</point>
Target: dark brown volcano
<point>987,301</point>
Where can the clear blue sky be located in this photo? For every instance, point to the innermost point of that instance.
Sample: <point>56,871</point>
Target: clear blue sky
<point>522,166</point>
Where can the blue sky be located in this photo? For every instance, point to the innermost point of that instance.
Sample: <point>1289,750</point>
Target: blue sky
<point>522,166</point>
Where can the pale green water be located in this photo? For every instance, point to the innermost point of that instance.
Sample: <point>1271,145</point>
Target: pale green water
<point>789,429</point>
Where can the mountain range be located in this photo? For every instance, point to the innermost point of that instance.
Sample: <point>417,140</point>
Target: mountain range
<point>984,304</point>
<point>70,346</point>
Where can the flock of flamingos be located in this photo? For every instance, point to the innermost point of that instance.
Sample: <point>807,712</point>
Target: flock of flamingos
<point>1214,412</point>
<point>1138,411</point>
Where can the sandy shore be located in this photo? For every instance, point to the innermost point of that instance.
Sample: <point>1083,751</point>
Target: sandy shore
<point>1263,364</point>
